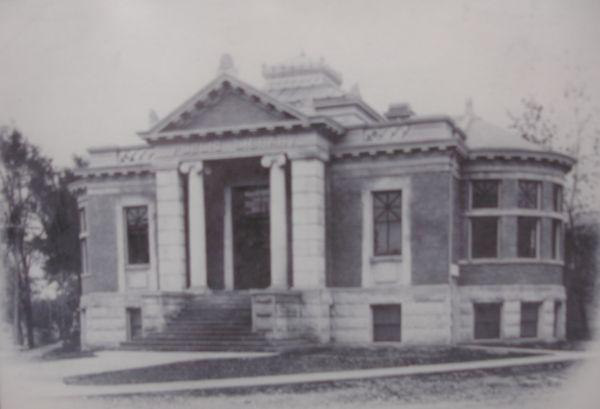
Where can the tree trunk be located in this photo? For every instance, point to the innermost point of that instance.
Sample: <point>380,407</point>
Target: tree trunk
<point>17,333</point>
<point>28,312</point>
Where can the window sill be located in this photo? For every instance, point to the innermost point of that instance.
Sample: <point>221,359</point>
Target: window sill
<point>137,267</point>
<point>86,275</point>
<point>396,258</point>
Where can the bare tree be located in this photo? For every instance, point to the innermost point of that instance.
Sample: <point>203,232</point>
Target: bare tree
<point>574,130</point>
<point>22,171</point>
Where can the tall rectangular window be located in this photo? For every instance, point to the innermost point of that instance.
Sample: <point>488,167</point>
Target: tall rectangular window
<point>557,198</point>
<point>529,194</point>
<point>527,237</point>
<point>84,256</point>
<point>136,218</point>
<point>83,251</point>
<point>484,237</point>
<point>387,322</point>
<point>484,193</point>
<point>487,320</point>
<point>557,239</point>
<point>82,221</point>
<point>529,319</point>
<point>387,223</point>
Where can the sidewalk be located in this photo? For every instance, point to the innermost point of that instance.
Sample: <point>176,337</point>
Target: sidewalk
<point>58,389</point>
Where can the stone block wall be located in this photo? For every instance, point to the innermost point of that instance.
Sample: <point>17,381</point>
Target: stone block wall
<point>104,322</point>
<point>308,223</point>
<point>426,313</point>
<point>511,297</point>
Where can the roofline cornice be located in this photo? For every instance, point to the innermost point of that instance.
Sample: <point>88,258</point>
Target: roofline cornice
<point>562,159</point>
<point>113,171</point>
<point>420,120</point>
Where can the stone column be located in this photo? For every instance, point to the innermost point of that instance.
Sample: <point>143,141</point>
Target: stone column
<point>170,230</point>
<point>196,224</point>
<point>308,221</point>
<point>278,219</point>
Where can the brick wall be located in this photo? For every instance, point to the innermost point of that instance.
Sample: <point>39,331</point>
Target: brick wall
<point>430,219</point>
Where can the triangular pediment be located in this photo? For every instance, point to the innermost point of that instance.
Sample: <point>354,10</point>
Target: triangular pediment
<point>226,102</point>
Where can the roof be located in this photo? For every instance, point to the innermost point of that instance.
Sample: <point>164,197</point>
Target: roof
<point>481,134</point>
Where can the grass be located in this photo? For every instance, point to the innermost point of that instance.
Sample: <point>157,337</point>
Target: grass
<point>302,361</point>
<point>65,351</point>
<point>491,388</point>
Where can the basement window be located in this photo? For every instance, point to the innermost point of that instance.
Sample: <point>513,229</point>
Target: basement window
<point>387,320</point>
<point>529,319</point>
<point>134,323</point>
<point>487,320</point>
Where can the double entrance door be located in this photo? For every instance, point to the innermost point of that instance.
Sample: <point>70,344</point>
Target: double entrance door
<point>251,241</point>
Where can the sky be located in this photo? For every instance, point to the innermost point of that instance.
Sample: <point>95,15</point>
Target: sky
<point>76,74</point>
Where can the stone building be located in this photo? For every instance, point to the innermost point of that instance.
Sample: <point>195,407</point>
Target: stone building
<point>256,218</point>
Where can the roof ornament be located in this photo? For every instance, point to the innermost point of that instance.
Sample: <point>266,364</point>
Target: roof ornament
<point>355,90</point>
<point>152,117</point>
<point>227,66</point>
<point>469,111</point>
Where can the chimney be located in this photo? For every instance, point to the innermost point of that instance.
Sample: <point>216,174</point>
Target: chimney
<point>399,112</point>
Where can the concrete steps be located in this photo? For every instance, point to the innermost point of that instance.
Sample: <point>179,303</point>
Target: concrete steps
<point>220,322</point>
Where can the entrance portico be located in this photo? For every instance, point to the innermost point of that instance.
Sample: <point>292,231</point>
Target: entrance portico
<point>234,223</point>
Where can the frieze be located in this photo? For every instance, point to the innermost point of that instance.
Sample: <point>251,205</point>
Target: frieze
<point>397,134</point>
<point>235,146</point>
<point>386,134</point>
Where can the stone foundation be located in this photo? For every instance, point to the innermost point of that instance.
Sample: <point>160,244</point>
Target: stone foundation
<point>430,314</point>
<point>104,319</point>
<point>511,297</point>
<point>425,316</point>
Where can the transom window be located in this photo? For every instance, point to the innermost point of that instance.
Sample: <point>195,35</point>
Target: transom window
<point>484,193</point>
<point>136,218</point>
<point>529,192</point>
<point>256,201</point>
<point>387,223</point>
<point>557,198</point>
<point>527,237</point>
<point>484,237</point>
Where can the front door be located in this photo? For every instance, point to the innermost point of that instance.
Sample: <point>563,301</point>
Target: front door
<point>251,242</point>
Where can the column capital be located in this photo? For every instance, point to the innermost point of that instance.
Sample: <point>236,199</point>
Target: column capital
<point>197,167</point>
<point>278,160</point>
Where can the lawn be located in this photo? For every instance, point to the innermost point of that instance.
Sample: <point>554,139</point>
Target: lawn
<point>519,387</point>
<point>302,361</point>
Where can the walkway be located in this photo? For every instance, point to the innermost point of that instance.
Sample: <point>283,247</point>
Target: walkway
<point>53,386</point>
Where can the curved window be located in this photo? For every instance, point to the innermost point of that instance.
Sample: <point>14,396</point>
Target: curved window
<point>484,237</point>
<point>485,194</point>
<point>527,237</point>
<point>529,194</point>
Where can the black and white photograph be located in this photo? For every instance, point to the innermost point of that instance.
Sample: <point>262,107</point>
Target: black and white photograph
<point>299,204</point>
